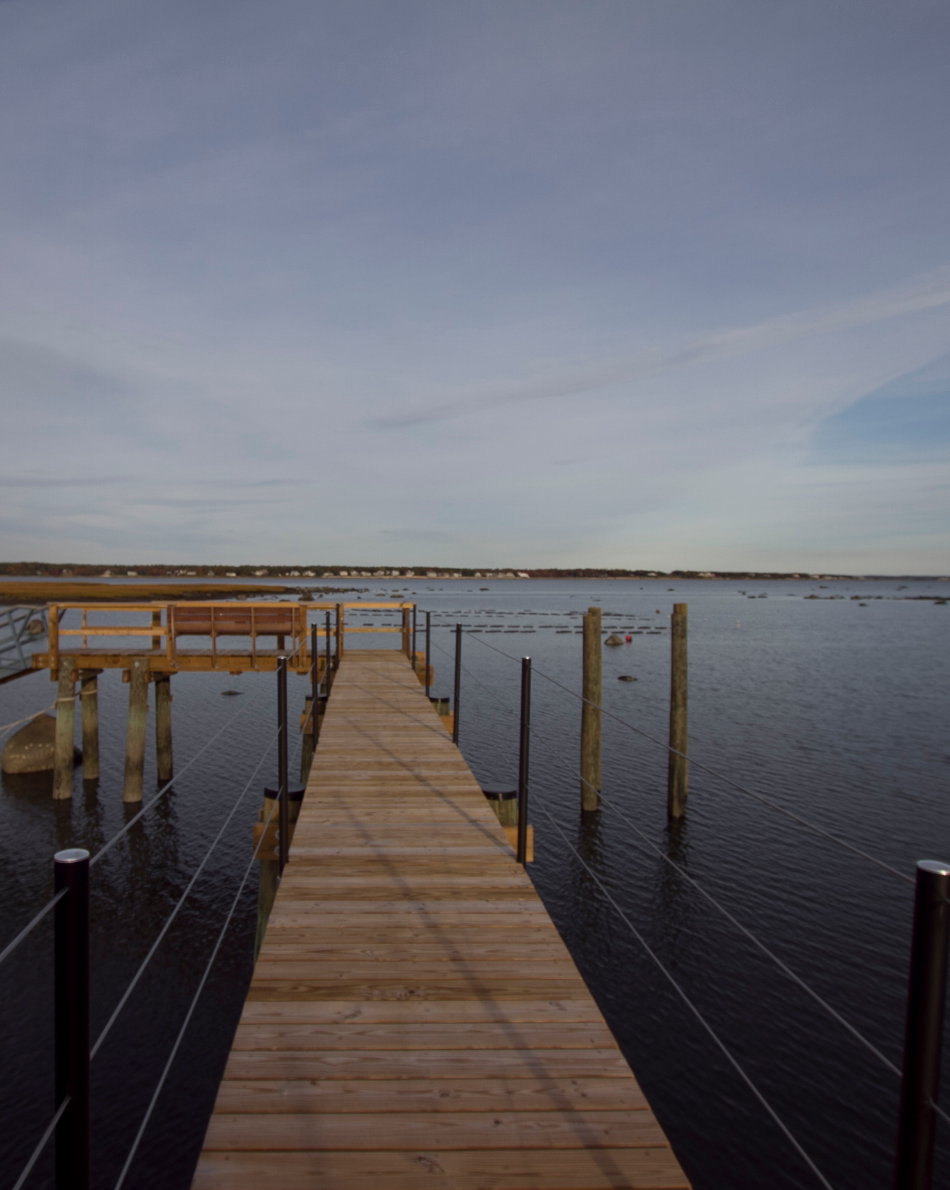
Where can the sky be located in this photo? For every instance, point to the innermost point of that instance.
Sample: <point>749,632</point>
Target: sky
<point>626,283</point>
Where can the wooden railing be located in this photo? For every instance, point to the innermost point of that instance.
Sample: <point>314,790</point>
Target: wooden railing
<point>283,620</point>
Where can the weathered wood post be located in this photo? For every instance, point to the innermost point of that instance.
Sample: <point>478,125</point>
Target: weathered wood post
<point>156,623</point>
<point>65,727</point>
<point>163,727</point>
<point>590,712</point>
<point>405,631</point>
<point>135,731</point>
<point>339,635</point>
<point>678,771</point>
<point>89,713</point>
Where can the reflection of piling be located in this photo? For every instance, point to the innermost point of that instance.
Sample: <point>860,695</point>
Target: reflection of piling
<point>268,880</point>
<point>678,771</point>
<point>63,746</point>
<point>163,727</point>
<point>135,731</point>
<point>89,714</point>
<point>590,712</point>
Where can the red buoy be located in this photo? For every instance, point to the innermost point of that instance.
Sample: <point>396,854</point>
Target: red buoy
<point>629,639</point>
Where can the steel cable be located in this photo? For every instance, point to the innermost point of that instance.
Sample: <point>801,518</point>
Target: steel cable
<point>690,1005</point>
<point>11,946</point>
<point>783,967</point>
<point>174,913</point>
<point>42,1142</point>
<point>191,1008</point>
<point>713,772</point>
<point>165,788</point>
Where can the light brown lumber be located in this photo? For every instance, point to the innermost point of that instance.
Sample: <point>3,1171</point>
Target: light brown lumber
<point>414,1013</point>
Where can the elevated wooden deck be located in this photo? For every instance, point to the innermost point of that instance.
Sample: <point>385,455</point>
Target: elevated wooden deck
<point>414,1018</point>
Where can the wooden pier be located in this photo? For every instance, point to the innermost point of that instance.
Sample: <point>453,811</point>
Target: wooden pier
<point>414,1018</point>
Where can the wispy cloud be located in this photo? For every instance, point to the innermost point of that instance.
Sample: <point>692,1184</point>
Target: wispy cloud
<point>727,344</point>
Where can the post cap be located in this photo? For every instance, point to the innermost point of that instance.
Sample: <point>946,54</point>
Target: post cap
<point>72,855</point>
<point>935,866</point>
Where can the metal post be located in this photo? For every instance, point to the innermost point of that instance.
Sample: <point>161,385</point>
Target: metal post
<point>71,1014</point>
<point>314,682</point>
<point>458,683</point>
<point>523,760</point>
<point>677,785</point>
<point>923,1039</point>
<point>428,644</point>
<point>326,667</point>
<point>282,805</point>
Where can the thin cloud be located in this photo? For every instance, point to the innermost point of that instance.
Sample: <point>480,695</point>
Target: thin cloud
<point>728,344</point>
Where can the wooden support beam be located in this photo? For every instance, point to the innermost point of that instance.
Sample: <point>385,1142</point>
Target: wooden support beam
<point>678,771</point>
<point>163,728</point>
<point>89,711</point>
<point>590,712</point>
<point>65,721</point>
<point>135,732</point>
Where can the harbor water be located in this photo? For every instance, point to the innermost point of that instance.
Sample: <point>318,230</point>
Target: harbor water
<point>829,699</point>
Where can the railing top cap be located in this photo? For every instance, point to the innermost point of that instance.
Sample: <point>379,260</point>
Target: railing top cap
<point>72,855</point>
<point>936,866</point>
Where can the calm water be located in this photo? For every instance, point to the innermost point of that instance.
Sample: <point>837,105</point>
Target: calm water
<point>835,710</point>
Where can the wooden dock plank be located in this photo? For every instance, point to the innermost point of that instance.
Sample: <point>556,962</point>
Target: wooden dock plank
<point>414,1014</point>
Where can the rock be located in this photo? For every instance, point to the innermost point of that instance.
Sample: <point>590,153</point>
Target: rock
<point>614,639</point>
<point>230,693</point>
<point>626,678</point>
<point>30,750</point>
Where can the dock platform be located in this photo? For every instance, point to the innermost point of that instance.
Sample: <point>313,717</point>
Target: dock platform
<point>414,1019</point>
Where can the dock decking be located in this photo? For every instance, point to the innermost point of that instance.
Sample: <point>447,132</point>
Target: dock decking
<point>414,1019</point>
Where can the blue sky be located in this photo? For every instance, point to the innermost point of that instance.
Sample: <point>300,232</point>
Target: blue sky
<point>657,284</point>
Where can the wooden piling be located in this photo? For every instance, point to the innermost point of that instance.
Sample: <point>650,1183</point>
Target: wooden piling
<point>65,720</point>
<point>590,712</point>
<point>339,636</point>
<point>89,712</point>
<point>678,771</point>
<point>163,728</point>
<point>135,731</point>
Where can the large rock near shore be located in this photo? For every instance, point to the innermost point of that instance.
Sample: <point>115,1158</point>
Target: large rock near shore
<point>30,750</point>
<point>614,639</point>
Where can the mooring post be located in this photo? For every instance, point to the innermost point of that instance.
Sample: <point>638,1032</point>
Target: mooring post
<point>71,1017</point>
<point>282,807</point>
<point>428,646</point>
<point>523,760</point>
<point>590,712</point>
<point>923,1038</point>
<point>414,610</point>
<point>458,683</point>
<point>135,731</point>
<point>678,770</point>
<point>65,728</point>
<point>339,635</point>
<point>89,715</point>
<point>163,728</point>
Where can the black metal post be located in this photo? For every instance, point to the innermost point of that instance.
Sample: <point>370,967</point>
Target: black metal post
<point>428,644</point>
<point>414,610</point>
<point>458,683</point>
<point>71,1012</point>
<point>314,684</point>
<point>283,808</point>
<point>523,760</point>
<point>923,1039</point>
<point>326,668</point>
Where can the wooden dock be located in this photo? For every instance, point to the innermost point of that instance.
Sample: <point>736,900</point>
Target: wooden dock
<point>414,1019</point>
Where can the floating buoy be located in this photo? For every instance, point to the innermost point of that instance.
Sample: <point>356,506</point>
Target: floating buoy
<point>628,638</point>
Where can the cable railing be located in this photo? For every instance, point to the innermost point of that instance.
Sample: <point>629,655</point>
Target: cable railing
<point>931,935</point>
<point>73,1053</point>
